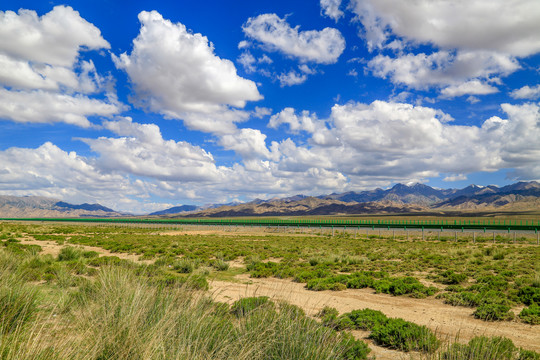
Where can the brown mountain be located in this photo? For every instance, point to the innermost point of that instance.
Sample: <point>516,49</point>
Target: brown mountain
<point>37,206</point>
<point>308,206</point>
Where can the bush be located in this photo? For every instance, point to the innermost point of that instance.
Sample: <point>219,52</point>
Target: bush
<point>220,265</point>
<point>529,295</point>
<point>531,315</point>
<point>451,278</point>
<point>493,312</point>
<point>244,306</point>
<point>366,319</point>
<point>355,349</point>
<point>184,266</point>
<point>482,348</point>
<point>69,253</point>
<point>405,336</point>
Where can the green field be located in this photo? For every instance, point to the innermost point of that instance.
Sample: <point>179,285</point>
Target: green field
<point>82,303</point>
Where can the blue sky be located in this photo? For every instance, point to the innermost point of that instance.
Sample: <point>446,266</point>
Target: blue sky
<point>142,105</point>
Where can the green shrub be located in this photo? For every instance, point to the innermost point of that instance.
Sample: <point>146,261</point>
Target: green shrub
<point>244,306</point>
<point>482,348</point>
<point>405,336</point>
<point>449,277</point>
<point>90,254</point>
<point>220,265</point>
<point>528,355</point>
<point>184,266</point>
<point>69,253</point>
<point>529,295</point>
<point>354,349</point>
<point>493,312</point>
<point>366,319</point>
<point>531,315</point>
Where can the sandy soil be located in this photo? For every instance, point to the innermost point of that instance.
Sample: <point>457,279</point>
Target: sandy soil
<point>52,248</point>
<point>449,322</point>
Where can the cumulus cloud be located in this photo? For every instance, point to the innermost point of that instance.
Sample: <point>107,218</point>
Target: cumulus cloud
<point>331,9</point>
<point>50,171</point>
<point>248,143</point>
<point>54,38</point>
<point>42,78</point>
<point>324,46</point>
<point>390,142</point>
<point>463,70</point>
<point>45,107</point>
<point>141,150</point>
<point>488,25</point>
<point>305,122</point>
<point>175,73</point>
<point>526,92</point>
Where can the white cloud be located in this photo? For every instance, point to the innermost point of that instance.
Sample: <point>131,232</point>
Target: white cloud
<point>503,26</point>
<point>305,122</point>
<point>291,78</point>
<point>526,92</point>
<point>54,38</point>
<point>248,143</point>
<point>461,69</point>
<point>390,142</point>
<point>176,73</point>
<point>141,150</point>
<point>331,9</point>
<point>45,107</point>
<point>458,177</point>
<point>52,172</point>
<point>248,61</point>
<point>42,79</point>
<point>324,46</point>
<point>474,87</point>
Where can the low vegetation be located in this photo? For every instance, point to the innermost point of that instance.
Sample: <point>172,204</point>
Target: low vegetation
<point>78,304</point>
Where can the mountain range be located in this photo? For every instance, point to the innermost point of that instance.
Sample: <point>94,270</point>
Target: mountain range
<point>521,196</point>
<point>37,206</point>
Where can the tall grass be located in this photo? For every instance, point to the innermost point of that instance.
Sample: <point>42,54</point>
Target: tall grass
<point>121,314</point>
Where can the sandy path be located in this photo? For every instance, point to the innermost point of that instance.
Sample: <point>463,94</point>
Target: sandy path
<point>449,322</point>
<point>52,248</point>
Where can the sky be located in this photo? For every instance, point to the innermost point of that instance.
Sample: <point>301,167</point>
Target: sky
<point>143,105</point>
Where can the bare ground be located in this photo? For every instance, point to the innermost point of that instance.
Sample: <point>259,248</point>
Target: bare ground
<point>449,322</point>
<point>53,248</point>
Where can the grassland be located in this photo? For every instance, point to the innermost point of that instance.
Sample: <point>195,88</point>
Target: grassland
<point>71,292</point>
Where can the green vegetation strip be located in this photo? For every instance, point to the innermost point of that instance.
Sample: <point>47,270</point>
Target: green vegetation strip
<point>476,224</point>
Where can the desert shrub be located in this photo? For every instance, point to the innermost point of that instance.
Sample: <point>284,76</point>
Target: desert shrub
<point>360,281</point>
<point>184,266</point>
<point>493,312</point>
<point>366,319</point>
<point>220,265</point>
<point>482,348</point>
<point>244,306</point>
<point>401,286</point>
<point>355,349</point>
<point>449,277</point>
<point>531,315</point>
<point>528,355</point>
<point>328,316</point>
<point>529,295</point>
<point>261,270</point>
<point>90,254</point>
<point>405,336</point>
